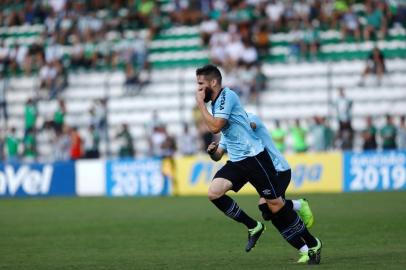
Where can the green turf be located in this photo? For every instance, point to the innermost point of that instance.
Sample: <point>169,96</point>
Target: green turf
<point>359,231</point>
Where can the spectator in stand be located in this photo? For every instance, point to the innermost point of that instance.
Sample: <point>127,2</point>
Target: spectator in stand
<point>157,22</point>
<point>47,75</point>
<point>4,56</point>
<point>187,142</point>
<point>295,47</point>
<point>4,86</point>
<point>62,144</point>
<point>376,22</point>
<point>345,133</point>
<point>30,146</point>
<point>59,116</point>
<point>350,25</point>
<point>132,82</point>
<point>12,144</point>
<point>217,51</point>
<point>92,142</point>
<point>58,119</point>
<point>299,135</point>
<point>156,140</point>
<point>168,146</point>
<point>340,7</point>
<point>402,133</point>
<point>35,57</point>
<point>207,28</point>
<point>275,11</point>
<point>186,12</point>
<point>261,40</point>
<point>135,80</point>
<point>78,59</point>
<point>153,123</point>
<point>234,49</point>
<point>311,41</point>
<point>144,8</point>
<point>249,54</point>
<point>76,151</point>
<point>369,135</point>
<point>126,143</point>
<point>2,147</point>
<point>322,135</point>
<point>100,117</point>
<point>376,65</point>
<point>20,57</point>
<point>388,133</point>
<point>30,115</point>
<point>60,82</point>
<point>14,57</point>
<point>278,134</point>
<point>302,10</point>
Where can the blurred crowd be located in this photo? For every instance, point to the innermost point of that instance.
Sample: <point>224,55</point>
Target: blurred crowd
<point>115,34</point>
<point>319,134</point>
<point>299,135</point>
<point>112,34</point>
<point>239,33</point>
<point>75,35</point>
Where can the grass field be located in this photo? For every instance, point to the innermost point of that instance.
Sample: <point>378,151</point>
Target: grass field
<point>359,231</point>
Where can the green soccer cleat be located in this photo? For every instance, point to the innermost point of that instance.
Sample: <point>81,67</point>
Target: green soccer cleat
<point>304,257</point>
<point>305,213</point>
<point>253,236</point>
<point>315,253</point>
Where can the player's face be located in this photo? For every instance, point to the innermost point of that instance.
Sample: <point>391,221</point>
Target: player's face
<point>204,84</point>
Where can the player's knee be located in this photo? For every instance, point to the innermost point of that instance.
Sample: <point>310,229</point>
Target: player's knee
<point>275,204</point>
<point>213,194</point>
<point>218,188</point>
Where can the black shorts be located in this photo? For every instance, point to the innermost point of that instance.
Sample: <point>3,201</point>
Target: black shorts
<point>260,172</point>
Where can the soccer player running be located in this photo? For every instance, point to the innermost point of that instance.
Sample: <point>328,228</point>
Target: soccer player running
<point>283,174</point>
<point>249,161</point>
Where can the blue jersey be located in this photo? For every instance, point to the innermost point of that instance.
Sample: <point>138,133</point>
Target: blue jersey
<point>237,134</point>
<point>261,131</point>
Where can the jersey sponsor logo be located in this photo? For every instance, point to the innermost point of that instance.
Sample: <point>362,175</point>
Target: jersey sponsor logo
<point>222,100</point>
<point>31,181</point>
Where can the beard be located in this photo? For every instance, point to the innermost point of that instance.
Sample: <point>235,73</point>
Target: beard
<point>207,93</point>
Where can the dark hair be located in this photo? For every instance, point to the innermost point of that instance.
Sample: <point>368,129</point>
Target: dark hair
<point>210,71</point>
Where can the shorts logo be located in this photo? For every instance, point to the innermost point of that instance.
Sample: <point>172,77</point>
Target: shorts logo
<point>266,192</point>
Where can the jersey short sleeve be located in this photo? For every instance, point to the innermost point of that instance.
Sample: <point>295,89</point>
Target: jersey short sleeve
<point>224,104</point>
<point>222,143</point>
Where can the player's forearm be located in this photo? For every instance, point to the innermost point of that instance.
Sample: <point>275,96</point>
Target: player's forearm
<point>211,122</point>
<point>216,156</point>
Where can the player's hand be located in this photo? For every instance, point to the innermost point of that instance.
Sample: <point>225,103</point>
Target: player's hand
<point>253,125</point>
<point>211,149</point>
<point>200,95</point>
